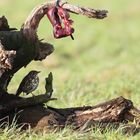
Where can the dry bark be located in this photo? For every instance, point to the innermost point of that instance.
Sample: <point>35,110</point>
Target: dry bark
<point>6,59</point>
<point>32,22</point>
<point>112,113</point>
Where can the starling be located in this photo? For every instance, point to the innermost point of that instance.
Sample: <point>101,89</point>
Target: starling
<point>29,83</point>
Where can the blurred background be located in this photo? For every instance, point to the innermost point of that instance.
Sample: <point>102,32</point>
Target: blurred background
<point>103,62</point>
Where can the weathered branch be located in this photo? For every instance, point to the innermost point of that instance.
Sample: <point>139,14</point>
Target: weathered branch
<point>44,49</point>
<point>6,59</point>
<point>32,22</point>
<point>18,53</point>
<point>111,113</point>
<point>24,102</point>
<point>89,12</point>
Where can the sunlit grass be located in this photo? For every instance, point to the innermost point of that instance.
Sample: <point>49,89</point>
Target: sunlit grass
<point>12,133</point>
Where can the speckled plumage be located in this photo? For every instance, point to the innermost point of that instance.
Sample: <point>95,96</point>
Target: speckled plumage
<point>29,83</point>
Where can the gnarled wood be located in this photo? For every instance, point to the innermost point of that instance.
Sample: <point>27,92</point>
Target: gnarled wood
<point>6,59</point>
<point>32,22</point>
<point>26,43</point>
<point>26,51</point>
<point>111,113</point>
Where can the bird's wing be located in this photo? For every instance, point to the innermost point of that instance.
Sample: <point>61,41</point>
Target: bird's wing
<point>21,86</point>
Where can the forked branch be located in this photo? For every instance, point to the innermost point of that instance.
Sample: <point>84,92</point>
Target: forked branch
<point>32,22</point>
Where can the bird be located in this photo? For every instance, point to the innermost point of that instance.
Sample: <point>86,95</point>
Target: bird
<point>29,83</point>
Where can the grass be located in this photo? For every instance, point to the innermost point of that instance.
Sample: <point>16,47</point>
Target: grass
<point>103,62</point>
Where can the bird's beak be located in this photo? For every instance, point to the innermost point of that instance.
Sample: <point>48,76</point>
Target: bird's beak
<point>38,71</point>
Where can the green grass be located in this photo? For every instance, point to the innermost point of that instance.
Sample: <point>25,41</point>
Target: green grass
<point>103,62</point>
